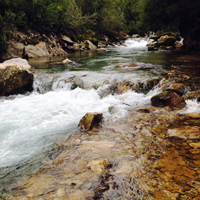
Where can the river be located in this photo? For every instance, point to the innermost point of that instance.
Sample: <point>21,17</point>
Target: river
<point>32,124</point>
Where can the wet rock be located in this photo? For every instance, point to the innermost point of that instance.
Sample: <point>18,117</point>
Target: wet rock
<point>15,79</point>
<point>76,82</point>
<point>193,95</point>
<point>67,61</point>
<point>90,121</point>
<point>102,49</point>
<point>166,40</point>
<point>179,88</point>
<point>137,66</point>
<point>178,44</point>
<point>168,98</point>
<point>155,37</point>
<point>185,132</point>
<point>98,166</point>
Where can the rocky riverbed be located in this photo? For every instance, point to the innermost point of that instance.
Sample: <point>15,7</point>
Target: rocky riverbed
<point>152,153</point>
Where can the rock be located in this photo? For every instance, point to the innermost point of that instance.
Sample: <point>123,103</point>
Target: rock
<point>39,50</point>
<point>90,45</point>
<point>193,115</point>
<point>185,132</point>
<point>166,40</point>
<point>195,145</point>
<point>178,44</point>
<point>102,44</point>
<point>66,61</point>
<point>90,121</point>
<point>74,47</point>
<point>168,98</point>
<point>76,82</point>
<point>179,88</point>
<point>137,66</point>
<point>67,39</point>
<point>15,49</point>
<point>193,95</point>
<point>14,79</point>
<point>21,63</point>
<point>102,49</point>
<point>135,36</point>
<point>155,37</point>
<point>98,166</point>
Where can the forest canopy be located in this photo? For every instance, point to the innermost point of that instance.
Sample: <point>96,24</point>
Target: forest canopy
<point>109,17</point>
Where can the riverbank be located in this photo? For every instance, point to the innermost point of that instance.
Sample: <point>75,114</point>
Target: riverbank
<point>145,152</point>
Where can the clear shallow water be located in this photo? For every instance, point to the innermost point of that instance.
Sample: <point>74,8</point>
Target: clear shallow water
<point>32,124</point>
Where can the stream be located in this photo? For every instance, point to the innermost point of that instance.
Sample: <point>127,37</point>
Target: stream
<point>32,124</point>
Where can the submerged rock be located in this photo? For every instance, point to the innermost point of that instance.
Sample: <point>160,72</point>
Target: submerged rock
<point>168,98</point>
<point>98,166</point>
<point>185,132</point>
<point>90,121</point>
<point>15,78</point>
<point>136,66</point>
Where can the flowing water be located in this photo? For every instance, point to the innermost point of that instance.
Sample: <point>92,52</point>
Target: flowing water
<point>31,124</point>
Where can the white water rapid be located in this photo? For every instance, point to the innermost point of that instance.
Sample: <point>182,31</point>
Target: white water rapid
<point>31,124</point>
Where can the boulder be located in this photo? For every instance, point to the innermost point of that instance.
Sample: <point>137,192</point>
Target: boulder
<point>90,121</point>
<point>66,61</point>
<point>166,40</point>
<point>15,79</point>
<point>74,47</point>
<point>168,98</point>
<point>21,63</point>
<point>89,45</point>
<point>39,50</point>
<point>67,40</point>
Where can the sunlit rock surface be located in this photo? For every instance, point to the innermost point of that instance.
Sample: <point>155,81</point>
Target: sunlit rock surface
<point>15,77</point>
<point>90,121</point>
<point>132,158</point>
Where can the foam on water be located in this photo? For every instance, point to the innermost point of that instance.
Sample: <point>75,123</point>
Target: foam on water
<point>191,106</point>
<point>30,124</point>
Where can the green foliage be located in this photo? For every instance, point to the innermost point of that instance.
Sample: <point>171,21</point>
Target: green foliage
<point>92,18</point>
